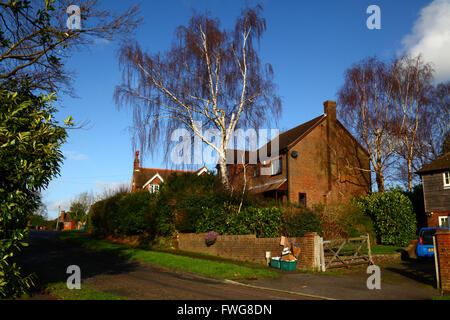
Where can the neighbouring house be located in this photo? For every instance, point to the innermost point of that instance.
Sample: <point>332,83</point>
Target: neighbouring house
<point>436,191</point>
<point>66,222</point>
<point>150,179</point>
<point>318,161</point>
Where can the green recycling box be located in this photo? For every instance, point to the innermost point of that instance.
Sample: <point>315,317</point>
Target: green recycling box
<point>275,262</point>
<point>288,265</point>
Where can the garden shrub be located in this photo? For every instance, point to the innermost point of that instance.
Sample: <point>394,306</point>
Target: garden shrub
<point>346,220</point>
<point>181,201</point>
<point>132,213</point>
<point>298,220</point>
<point>393,216</point>
<point>263,222</point>
<point>121,214</point>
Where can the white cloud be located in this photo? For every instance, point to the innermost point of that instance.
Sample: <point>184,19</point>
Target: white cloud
<point>53,207</point>
<point>74,155</point>
<point>431,37</point>
<point>107,189</point>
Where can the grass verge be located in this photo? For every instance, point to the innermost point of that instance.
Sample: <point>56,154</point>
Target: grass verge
<point>60,291</point>
<point>223,270</point>
<point>383,249</point>
<point>441,298</point>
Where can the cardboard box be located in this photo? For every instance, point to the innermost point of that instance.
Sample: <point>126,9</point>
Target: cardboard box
<point>295,250</point>
<point>284,242</point>
<point>288,257</point>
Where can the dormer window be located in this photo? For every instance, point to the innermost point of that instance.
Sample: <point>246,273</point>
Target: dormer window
<point>446,176</point>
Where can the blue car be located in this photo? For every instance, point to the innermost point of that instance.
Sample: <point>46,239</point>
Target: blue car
<point>425,248</point>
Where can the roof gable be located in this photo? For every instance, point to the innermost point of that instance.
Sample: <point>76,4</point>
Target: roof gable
<point>144,176</point>
<point>440,164</point>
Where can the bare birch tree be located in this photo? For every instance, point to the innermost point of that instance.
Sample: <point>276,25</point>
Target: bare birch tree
<point>366,107</point>
<point>413,83</point>
<point>210,75</point>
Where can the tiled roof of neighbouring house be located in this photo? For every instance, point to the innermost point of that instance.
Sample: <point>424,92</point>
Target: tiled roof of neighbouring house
<point>143,175</point>
<point>441,163</point>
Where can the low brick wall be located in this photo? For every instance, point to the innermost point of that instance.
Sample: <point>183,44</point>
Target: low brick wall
<point>249,248</point>
<point>443,251</point>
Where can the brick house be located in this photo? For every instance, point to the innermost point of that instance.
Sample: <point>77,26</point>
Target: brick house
<point>150,179</point>
<point>66,222</point>
<point>319,161</point>
<point>436,191</point>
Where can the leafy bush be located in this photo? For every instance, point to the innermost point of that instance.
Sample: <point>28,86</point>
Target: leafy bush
<point>346,220</point>
<point>298,220</point>
<point>121,214</point>
<point>393,216</point>
<point>30,153</point>
<point>181,201</point>
<point>132,213</point>
<point>263,222</point>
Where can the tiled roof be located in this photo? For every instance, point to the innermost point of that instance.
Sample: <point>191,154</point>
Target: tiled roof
<point>143,175</point>
<point>290,136</point>
<point>441,163</point>
<point>285,140</point>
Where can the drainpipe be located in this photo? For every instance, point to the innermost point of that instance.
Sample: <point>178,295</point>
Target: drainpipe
<point>287,175</point>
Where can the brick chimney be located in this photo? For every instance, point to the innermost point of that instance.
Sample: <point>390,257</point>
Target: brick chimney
<point>136,161</point>
<point>329,108</point>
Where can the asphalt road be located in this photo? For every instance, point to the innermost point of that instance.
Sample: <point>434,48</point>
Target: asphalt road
<point>49,257</point>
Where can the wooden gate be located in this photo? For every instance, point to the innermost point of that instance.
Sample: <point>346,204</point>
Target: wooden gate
<point>345,252</point>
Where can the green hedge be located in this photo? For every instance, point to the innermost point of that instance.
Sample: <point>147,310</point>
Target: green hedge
<point>122,214</point>
<point>188,203</point>
<point>393,216</point>
<point>298,220</point>
<point>227,220</point>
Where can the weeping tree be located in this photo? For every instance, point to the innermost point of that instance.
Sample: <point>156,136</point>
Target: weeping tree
<point>412,78</point>
<point>210,80</point>
<point>366,107</point>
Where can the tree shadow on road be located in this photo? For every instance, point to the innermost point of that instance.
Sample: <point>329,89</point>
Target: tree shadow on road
<point>48,258</point>
<point>422,271</point>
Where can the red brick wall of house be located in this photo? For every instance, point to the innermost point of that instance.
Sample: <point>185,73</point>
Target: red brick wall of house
<point>248,247</point>
<point>443,249</point>
<point>433,221</point>
<point>326,171</point>
<point>327,168</point>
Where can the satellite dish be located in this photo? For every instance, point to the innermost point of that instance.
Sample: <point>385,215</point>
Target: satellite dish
<point>294,154</point>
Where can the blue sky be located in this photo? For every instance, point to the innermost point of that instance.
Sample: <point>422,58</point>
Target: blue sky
<point>308,43</point>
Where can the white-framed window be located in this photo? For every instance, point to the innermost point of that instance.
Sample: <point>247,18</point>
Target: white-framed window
<point>276,166</point>
<point>153,188</point>
<point>444,221</point>
<point>446,176</point>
